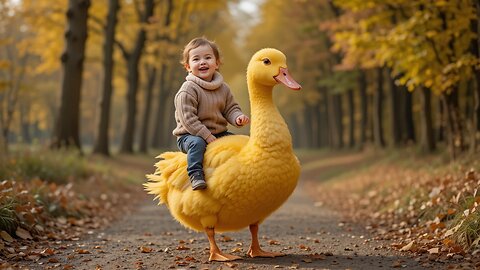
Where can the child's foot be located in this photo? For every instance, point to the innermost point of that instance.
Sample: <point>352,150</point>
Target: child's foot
<point>198,181</point>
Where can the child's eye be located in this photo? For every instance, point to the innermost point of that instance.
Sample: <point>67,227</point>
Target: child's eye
<point>266,61</point>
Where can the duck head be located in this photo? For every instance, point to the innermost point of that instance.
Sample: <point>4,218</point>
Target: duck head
<point>268,67</point>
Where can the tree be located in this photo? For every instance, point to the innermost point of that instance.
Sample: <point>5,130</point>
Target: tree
<point>152,72</point>
<point>102,141</point>
<point>67,126</point>
<point>475,50</point>
<point>14,56</point>
<point>132,59</point>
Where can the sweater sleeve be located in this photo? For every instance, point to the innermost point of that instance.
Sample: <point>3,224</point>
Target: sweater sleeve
<point>186,105</point>
<point>232,109</point>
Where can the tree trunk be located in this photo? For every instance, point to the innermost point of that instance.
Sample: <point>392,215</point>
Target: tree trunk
<point>454,125</point>
<point>315,122</point>
<point>428,141</point>
<point>394,111</point>
<point>324,125</point>
<point>351,117</point>
<point>377,111</point>
<point>409,135</point>
<point>475,50</point>
<point>25,125</point>
<point>67,126</point>
<point>307,134</point>
<point>440,126</point>
<point>133,60</point>
<point>333,122</point>
<point>338,109</point>
<point>363,108</point>
<point>102,140</point>
<point>152,72</point>
<point>160,117</point>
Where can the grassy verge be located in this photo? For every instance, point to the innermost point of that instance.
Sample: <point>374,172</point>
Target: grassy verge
<point>424,204</point>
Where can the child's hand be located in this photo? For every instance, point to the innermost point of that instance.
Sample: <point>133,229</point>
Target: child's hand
<point>210,139</point>
<point>242,120</point>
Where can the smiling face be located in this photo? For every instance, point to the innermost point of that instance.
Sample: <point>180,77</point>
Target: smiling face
<point>202,62</point>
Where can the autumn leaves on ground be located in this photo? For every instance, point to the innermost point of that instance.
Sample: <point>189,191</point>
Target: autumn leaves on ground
<point>424,206</point>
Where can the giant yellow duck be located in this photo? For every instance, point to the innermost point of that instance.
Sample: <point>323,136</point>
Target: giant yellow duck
<point>248,177</point>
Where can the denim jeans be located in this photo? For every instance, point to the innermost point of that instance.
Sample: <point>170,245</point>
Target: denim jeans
<point>195,147</point>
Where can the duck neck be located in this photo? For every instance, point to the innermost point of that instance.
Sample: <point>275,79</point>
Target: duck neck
<point>268,129</point>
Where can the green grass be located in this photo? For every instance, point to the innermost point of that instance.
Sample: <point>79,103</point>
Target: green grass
<point>468,234</point>
<point>8,220</point>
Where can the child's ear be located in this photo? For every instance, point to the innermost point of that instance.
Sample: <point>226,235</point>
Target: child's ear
<point>187,67</point>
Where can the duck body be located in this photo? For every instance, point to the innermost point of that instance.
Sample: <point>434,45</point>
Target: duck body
<point>248,178</point>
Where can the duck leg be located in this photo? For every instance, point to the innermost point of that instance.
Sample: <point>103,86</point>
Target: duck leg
<point>255,250</point>
<point>215,253</point>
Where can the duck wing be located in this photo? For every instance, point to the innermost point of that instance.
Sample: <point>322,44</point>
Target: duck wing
<point>223,149</point>
<point>171,170</point>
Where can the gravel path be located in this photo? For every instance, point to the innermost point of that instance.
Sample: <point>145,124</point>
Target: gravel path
<point>148,238</point>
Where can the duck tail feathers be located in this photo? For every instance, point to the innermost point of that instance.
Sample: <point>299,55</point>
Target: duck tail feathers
<point>168,169</point>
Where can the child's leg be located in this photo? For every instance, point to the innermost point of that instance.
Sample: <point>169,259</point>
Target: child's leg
<point>195,147</point>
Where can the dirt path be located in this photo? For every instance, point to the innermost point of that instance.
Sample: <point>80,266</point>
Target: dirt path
<point>298,229</point>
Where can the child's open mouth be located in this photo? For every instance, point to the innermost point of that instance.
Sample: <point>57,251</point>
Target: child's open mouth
<point>203,68</point>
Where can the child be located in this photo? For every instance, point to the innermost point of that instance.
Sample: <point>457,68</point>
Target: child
<point>204,106</point>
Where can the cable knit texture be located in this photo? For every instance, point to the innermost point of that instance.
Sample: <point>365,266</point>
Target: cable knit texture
<point>204,108</point>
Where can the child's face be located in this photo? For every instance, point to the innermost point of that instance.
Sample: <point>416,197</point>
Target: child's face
<point>202,62</point>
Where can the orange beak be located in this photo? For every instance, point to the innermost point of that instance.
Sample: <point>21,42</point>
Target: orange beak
<point>285,78</point>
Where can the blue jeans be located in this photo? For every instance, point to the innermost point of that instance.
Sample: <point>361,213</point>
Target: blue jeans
<point>195,147</point>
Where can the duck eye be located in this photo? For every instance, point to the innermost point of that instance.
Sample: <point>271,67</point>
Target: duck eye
<point>266,61</point>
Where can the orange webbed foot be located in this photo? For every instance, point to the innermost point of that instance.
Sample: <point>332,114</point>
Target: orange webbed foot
<point>258,252</point>
<point>222,257</point>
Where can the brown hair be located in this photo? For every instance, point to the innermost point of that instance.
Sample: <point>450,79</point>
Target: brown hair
<point>197,42</point>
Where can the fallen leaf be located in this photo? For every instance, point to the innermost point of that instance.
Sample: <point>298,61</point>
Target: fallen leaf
<point>226,238</point>
<point>6,236</point>
<point>303,247</point>
<point>22,233</point>
<point>408,246</point>
<point>317,256</point>
<point>182,247</point>
<point>433,251</point>
<point>307,260</point>
<point>47,252</point>
<point>182,263</point>
<point>190,259</point>
<point>144,249</point>
<point>236,250</point>
<point>274,242</point>
<point>82,251</point>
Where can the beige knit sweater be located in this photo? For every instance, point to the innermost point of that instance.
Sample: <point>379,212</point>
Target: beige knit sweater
<point>204,108</point>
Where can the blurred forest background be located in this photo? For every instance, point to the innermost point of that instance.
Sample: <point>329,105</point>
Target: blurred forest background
<point>100,75</point>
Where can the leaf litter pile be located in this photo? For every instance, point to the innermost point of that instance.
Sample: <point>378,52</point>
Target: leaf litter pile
<point>433,215</point>
<point>35,213</point>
